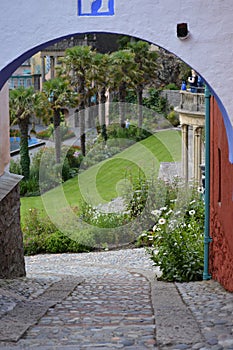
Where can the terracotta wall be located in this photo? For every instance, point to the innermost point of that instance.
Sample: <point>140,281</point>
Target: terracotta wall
<point>221,202</point>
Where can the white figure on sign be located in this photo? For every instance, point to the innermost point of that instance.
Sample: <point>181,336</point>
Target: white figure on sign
<point>104,6</point>
<point>87,6</point>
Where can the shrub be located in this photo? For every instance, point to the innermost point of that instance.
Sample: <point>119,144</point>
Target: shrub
<point>155,102</point>
<point>44,134</point>
<point>172,226</point>
<point>40,235</point>
<point>178,240</point>
<point>173,118</point>
<point>15,133</point>
<point>171,86</point>
<point>15,167</point>
<point>115,131</point>
<point>47,174</point>
<point>107,229</point>
<point>66,133</point>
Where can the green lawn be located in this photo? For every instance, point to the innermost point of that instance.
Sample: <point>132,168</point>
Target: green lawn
<point>106,180</point>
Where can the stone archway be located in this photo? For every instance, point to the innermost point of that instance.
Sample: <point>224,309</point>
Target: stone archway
<point>206,48</point>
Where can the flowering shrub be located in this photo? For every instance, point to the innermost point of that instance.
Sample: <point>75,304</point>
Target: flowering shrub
<point>177,240</point>
<point>108,229</point>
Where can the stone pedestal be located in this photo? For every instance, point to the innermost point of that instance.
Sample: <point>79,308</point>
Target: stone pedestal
<point>12,263</point>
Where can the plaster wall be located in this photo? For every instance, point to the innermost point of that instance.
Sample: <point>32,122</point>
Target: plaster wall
<point>221,202</point>
<point>23,29</point>
<point>4,128</point>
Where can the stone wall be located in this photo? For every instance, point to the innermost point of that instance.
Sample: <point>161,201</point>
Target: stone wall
<point>11,242</point>
<point>173,97</point>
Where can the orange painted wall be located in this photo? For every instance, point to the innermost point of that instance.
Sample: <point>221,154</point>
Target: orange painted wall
<point>221,202</point>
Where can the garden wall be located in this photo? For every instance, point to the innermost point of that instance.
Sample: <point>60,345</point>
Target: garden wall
<point>11,242</point>
<point>173,97</point>
<point>221,199</point>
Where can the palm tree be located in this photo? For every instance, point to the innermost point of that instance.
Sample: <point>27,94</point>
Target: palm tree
<point>123,71</point>
<point>102,80</point>
<point>24,103</point>
<point>59,94</point>
<point>77,67</point>
<point>145,60</point>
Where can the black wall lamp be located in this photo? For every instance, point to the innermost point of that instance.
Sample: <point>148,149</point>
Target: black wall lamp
<point>182,31</point>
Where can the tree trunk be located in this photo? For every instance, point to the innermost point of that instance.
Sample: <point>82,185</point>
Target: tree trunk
<point>57,134</point>
<point>82,129</point>
<point>102,114</point>
<point>24,153</point>
<point>122,98</point>
<point>140,101</point>
<point>82,116</point>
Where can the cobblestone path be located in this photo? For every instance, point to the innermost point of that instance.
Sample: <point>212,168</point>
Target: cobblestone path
<point>110,300</point>
<point>108,311</point>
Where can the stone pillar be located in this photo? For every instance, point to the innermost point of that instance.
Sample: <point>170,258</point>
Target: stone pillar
<point>185,152</point>
<point>107,108</point>
<point>52,67</point>
<point>11,241</point>
<point>43,69</point>
<point>197,158</point>
<point>4,128</point>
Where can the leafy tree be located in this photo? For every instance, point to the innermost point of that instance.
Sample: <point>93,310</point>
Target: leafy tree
<point>146,67</point>
<point>59,94</point>
<point>77,67</point>
<point>123,72</point>
<point>24,103</point>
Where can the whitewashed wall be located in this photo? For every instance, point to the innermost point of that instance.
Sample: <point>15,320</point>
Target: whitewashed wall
<point>26,25</point>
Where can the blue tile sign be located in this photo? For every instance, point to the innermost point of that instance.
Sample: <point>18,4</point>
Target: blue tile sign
<point>95,8</point>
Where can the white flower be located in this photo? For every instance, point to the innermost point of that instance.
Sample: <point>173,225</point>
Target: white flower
<point>156,212</point>
<point>169,212</point>
<point>150,238</point>
<point>163,208</point>
<point>143,235</point>
<point>162,221</point>
<point>200,190</point>
<point>76,154</point>
<point>154,228</point>
<point>192,212</point>
<point>193,201</point>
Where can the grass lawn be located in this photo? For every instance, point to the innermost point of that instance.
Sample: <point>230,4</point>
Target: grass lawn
<point>106,180</point>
